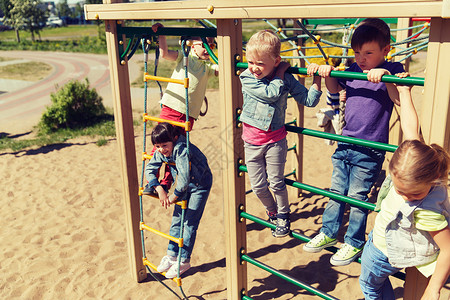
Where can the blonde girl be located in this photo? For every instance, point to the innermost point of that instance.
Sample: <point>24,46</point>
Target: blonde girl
<point>412,226</point>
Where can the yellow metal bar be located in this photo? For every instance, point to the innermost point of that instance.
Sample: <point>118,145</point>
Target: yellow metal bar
<point>185,125</point>
<point>146,156</point>
<point>141,193</point>
<point>182,203</point>
<point>153,267</point>
<point>179,241</point>
<point>184,82</point>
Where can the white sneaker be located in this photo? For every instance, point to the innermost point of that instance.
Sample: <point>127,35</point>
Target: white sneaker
<point>166,262</point>
<point>173,271</point>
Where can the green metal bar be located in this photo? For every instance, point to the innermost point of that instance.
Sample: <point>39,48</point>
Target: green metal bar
<point>246,297</point>
<point>291,173</point>
<point>315,190</point>
<point>127,49</point>
<point>287,277</point>
<point>292,148</point>
<point>210,52</point>
<point>293,122</point>
<point>319,191</point>
<point>342,138</point>
<point>353,75</point>
<point>301,237</point>
<point>168,31</point>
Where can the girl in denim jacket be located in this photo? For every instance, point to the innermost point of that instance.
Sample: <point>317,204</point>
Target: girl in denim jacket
<point>412,226</point>
<point>265,88</point>
<point>194,181</point>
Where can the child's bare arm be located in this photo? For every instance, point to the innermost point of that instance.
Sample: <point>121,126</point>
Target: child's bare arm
<point>408,115</point>
<point>442,271</point>
<point>162,195</point>
<point>165,52</point>
<point>330,82</point>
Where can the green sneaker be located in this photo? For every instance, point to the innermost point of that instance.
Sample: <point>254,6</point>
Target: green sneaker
<point>345,255</point>
<point>318,243</point>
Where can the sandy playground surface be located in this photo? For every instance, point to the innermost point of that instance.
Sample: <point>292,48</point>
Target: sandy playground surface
<point>63,227</point>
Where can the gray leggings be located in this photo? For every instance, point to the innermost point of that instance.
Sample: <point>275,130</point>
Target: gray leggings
<point>265,166</point>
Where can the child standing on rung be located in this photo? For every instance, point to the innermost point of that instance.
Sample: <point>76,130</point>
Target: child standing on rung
<point>194,181</point>
<point>412,226</point>
<point>173,101</point>
<point>356,168</point>
<point>265,87</point>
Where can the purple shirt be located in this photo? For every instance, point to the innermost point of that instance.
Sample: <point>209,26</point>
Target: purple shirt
<point>368,107</point>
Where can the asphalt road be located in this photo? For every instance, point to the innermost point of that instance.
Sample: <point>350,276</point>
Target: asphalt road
<point>23,102</point>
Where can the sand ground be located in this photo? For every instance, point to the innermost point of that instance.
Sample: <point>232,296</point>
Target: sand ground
<point>63,227</point>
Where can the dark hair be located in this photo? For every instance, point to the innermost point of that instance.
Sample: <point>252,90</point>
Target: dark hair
<point>163,133</point>
<point>366,32</point>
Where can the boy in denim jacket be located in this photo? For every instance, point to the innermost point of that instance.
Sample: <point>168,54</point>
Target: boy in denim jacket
<point>265,87</point>
<point>194,181</point>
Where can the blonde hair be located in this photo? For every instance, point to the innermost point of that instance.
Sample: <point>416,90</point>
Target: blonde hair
<point>414,162</point>
<point>264,41</point>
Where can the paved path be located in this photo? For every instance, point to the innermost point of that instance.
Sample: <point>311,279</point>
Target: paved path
<point>23,102</point>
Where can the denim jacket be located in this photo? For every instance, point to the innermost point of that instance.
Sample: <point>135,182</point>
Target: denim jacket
<point>179,162</point>
<point>265,101</point>
<point>408,246</point>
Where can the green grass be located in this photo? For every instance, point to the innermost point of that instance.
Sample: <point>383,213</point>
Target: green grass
<point>101,130</point>
<point>28,70</point>
<point>60,33</point>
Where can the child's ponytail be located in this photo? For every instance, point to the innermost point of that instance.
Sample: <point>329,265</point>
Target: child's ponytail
<point>443,164</point>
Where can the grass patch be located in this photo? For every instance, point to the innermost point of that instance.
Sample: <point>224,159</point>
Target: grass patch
<point>103,129</point>
<point>29,70</point>
<point>61,33</point>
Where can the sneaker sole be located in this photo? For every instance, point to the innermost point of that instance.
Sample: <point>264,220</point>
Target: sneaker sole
<point>344,262</point>
<point>318,249</point>
<point>280,235</point>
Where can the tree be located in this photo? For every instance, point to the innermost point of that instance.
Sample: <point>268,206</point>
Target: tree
<point>27,14</point>
<point>63,9</point>
<point>6,6</point>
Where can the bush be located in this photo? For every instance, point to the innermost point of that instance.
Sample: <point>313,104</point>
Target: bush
<point>73,106</point>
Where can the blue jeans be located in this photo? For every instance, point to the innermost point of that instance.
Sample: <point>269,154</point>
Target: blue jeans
<point>355,170</point>
<point>375,272</point>
<point>196,196</point>
<point>265,166</point>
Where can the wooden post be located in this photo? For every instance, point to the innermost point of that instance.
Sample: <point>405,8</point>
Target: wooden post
<point>229,39</point>
<point>298,111</point>
<point>415,284</point>
<point>435,116</point>
<point>435,106</point>
<point>120,84</point>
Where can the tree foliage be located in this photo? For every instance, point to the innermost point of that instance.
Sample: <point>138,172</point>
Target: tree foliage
<point>26,14</point>
<point>74,105</point>
<point>63,9</point>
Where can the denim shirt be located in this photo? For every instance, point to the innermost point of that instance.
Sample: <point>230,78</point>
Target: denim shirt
<point>408,246</point>
<point>265,101</point>
<point>179,162</point>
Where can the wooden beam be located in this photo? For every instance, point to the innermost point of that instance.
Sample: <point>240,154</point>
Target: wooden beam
<point>231,9</point>
<point>435,110</point>
<point>123,117</point>
<point>229,39</point>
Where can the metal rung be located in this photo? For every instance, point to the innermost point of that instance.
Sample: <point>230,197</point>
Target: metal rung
<point>179,241</point>
<point>153,267</point>
<point>184,82</point>
<point>185,125</point>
